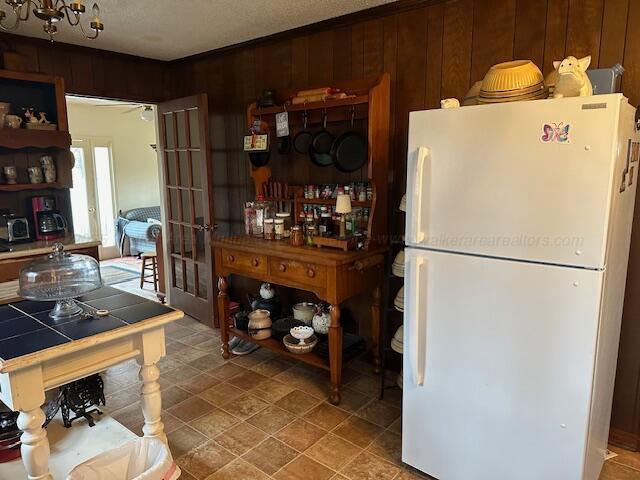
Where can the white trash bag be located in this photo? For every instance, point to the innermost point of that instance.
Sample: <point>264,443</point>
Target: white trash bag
<point>141,459</point>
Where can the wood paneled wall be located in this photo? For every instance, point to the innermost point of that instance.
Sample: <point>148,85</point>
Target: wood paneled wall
<point>92,72</point>
<point>433,51</point>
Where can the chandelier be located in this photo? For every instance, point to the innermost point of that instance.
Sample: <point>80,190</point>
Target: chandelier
<point>51,12</point>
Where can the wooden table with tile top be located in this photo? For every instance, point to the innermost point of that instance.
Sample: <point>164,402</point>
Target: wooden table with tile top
<point>38,353</point>
<point>333,276</point>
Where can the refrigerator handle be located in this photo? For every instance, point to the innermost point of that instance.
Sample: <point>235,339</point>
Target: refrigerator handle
<point>417,336</point>
<point>418,235</point>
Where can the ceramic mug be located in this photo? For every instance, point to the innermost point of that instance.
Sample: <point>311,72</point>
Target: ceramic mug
<point>35,174</point>
<point>10,174</point>
<point>49,173</point>
<point>13,121</point>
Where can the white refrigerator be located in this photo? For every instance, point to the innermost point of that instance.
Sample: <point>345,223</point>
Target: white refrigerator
<point>518,229</point>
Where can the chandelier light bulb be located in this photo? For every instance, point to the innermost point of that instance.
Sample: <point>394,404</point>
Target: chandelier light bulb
<point>96,12</point>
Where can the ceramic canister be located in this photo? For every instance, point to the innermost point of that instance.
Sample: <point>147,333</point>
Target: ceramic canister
<point>260,324</point>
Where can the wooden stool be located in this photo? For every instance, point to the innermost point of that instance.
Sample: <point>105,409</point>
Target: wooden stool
<point>153,268</point>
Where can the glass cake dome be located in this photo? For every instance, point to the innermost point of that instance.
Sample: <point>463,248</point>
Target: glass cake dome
<point>60,277</point>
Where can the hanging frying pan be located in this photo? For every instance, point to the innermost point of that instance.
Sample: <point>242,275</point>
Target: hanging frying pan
<point>349,150</point>
<point>302,140</point>
<point>320,150</point>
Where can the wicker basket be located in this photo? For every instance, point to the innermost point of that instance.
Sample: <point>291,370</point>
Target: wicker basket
<point>295,347</point>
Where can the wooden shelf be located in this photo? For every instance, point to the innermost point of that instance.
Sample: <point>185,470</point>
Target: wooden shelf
<point>277,346</point>
<point>22,138</point>
<point>17,187</point>
<point>341,102</point>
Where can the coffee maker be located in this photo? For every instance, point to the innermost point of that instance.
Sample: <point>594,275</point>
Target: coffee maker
<point>49,224</point>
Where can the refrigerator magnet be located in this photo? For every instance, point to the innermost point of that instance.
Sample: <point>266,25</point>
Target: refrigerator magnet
<point>555,133</point>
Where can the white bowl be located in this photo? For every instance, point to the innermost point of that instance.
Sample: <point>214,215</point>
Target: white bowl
<point>398,302</point>
<point>398,264</point>
<point>403,203</point>
<point>399,335</point>
<point>301,333</point>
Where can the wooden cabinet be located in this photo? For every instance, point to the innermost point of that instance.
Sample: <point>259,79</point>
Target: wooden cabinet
<point>334,276</point>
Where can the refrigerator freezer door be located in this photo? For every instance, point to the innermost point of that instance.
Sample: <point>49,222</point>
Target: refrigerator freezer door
<point>498,367</point>
<point>510,181</point>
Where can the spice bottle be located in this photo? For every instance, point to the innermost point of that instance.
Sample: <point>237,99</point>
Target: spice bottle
<point>262,210</point>
<point>297,236</point>
<point>269,231</point>
<point>278,228</point>
<point>286,221</point>
<point>249,218</point>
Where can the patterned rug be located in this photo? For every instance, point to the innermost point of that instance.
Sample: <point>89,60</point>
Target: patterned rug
<point>112,274</point>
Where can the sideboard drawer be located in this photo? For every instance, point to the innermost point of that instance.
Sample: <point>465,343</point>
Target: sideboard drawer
<point>237,260</point>
<point>298,272</point>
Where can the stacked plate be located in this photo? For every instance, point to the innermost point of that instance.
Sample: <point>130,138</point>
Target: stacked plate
<point>514,81</point>
<point>398,302</point>
<point>397,268</point>
<point>397,341</point>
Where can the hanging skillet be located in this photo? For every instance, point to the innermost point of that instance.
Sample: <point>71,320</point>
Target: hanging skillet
<point>349,150</point>
<point>320,150</point>
<point>302,140</point>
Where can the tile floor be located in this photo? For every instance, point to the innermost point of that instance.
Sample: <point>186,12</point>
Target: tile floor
<point>132,286</point>
<point>265,417</point>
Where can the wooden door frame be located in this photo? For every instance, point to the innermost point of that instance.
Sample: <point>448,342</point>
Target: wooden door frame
<point>201,100</point>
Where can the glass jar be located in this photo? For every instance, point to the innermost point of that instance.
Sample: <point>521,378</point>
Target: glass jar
<point>297,236</point>
<point>311,232</point>
<point>325,227</point>
<point>286,219</point>
<point>278,228</point>
<point>249,218</point>
<point>269,229</point>
<point>262,211</point>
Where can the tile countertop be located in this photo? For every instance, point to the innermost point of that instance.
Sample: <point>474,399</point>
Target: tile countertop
<point>42,247</point>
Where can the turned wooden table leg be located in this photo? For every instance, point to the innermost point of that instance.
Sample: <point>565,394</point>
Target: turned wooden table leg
<point>35,445</point>
<point>375,329</point>
<point>335,354</point>
<point>223,313</point>
<point>151,400</point>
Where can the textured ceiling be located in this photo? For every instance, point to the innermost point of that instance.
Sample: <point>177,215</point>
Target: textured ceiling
<point>171,29</point>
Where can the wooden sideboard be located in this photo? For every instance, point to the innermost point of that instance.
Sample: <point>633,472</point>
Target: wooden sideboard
<point>334,276</point>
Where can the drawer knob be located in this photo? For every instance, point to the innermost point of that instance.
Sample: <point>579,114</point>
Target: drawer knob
<point>283,267</point>
<point>230,258</point>
<point>254,262</point>
<point>311,273</point>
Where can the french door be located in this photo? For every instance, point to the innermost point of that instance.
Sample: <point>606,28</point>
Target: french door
<point>93,202</point>
<point>188,204</point>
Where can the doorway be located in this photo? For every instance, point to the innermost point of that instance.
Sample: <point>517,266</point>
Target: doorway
<point>94,207</point>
